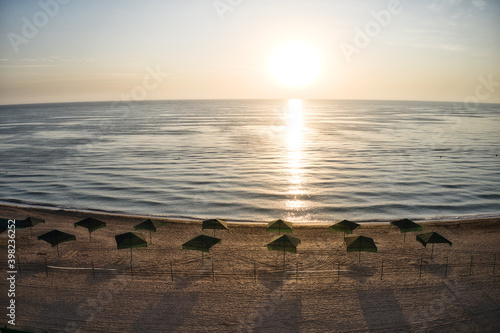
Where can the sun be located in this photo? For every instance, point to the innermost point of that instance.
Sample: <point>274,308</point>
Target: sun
<point>295,64</point>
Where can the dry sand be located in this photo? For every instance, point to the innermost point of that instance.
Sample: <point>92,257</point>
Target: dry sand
<point>242,287</point>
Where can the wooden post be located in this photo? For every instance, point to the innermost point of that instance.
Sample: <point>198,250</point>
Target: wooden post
<point>446,268</point>
<point>131,269</point>
<point>420,272</point>
<point>19,265</point>
<point>470,267</point>
<point>46,268</point>
<point>93,272</point>
<point>338,272</point>
<point>283,258</point>
<point>172,271</point>
<point>382,270</point>
<point>494,262</point>
<point>255,271</point>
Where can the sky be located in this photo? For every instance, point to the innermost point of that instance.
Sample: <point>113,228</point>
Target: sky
<point>104,50</point>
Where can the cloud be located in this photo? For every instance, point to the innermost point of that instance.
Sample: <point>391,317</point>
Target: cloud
<point>458,12</point>
<point>479,4</point>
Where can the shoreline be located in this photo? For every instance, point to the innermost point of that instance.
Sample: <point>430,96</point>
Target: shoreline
<point>187,219</point>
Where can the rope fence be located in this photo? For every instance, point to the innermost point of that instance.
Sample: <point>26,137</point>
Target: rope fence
<point>331,269</point>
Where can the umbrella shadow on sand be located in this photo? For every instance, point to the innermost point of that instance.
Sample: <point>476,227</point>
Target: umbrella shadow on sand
<point>168,313</point>
<point>384,301</point>
<point>280,313</point>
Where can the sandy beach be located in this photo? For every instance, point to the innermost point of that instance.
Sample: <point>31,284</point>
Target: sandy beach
<point>241,286</point>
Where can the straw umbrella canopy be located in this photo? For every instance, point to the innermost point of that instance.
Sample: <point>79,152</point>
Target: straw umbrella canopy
<point>433,238</point>
<point>149,225</point>
<point>279,226</point>
<point>405,226</point>
<point>91,224</point>
<point>360,243</point>
<point>130,240</point>
<point>29,222</point>
<point>215,224</point>
<point>344,226</point>
<point>4,224</point>
<point>56,237</point>
<point>5,329</point>
<point>201,243</point>
<point>284,243</point>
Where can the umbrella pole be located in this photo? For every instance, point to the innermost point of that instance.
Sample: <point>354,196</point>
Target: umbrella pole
<point>404,238</point>
<point>57,246</point>
<point>150,241</point>
<point>432,250</point>
<point>284,259</point>
<point>31,232</point>
<point>359,258</point>
<point>214,232</point>
<point>90,237</point>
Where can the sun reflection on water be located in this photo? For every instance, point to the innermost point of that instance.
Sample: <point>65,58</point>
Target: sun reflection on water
<point>294,135</point>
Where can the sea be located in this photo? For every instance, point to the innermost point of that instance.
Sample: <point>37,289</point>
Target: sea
<point>255,160</point>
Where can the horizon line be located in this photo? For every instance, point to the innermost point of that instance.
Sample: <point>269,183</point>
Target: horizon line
<point>242,99</point>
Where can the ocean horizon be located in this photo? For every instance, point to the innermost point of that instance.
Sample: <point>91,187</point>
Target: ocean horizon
<point>255,160</point>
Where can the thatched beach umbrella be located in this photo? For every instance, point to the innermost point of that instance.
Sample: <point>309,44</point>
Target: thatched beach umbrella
<point>284,243</point>
<point>432,237</point>
<point>149,225</point>
<point>91,224</point>
<point>405,226</point>
<point>215,224</point>
<point>4,224</point>
<point>129,240</point>
<point>29,222</point>
<point>5,329</point>
<point>201,243</point>
<point>56,237</point>
<point>360,243</point>
<point>344,226</point>
<point>279,226</point>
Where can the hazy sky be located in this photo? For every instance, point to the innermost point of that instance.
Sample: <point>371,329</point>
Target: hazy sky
<point>79,50</point>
